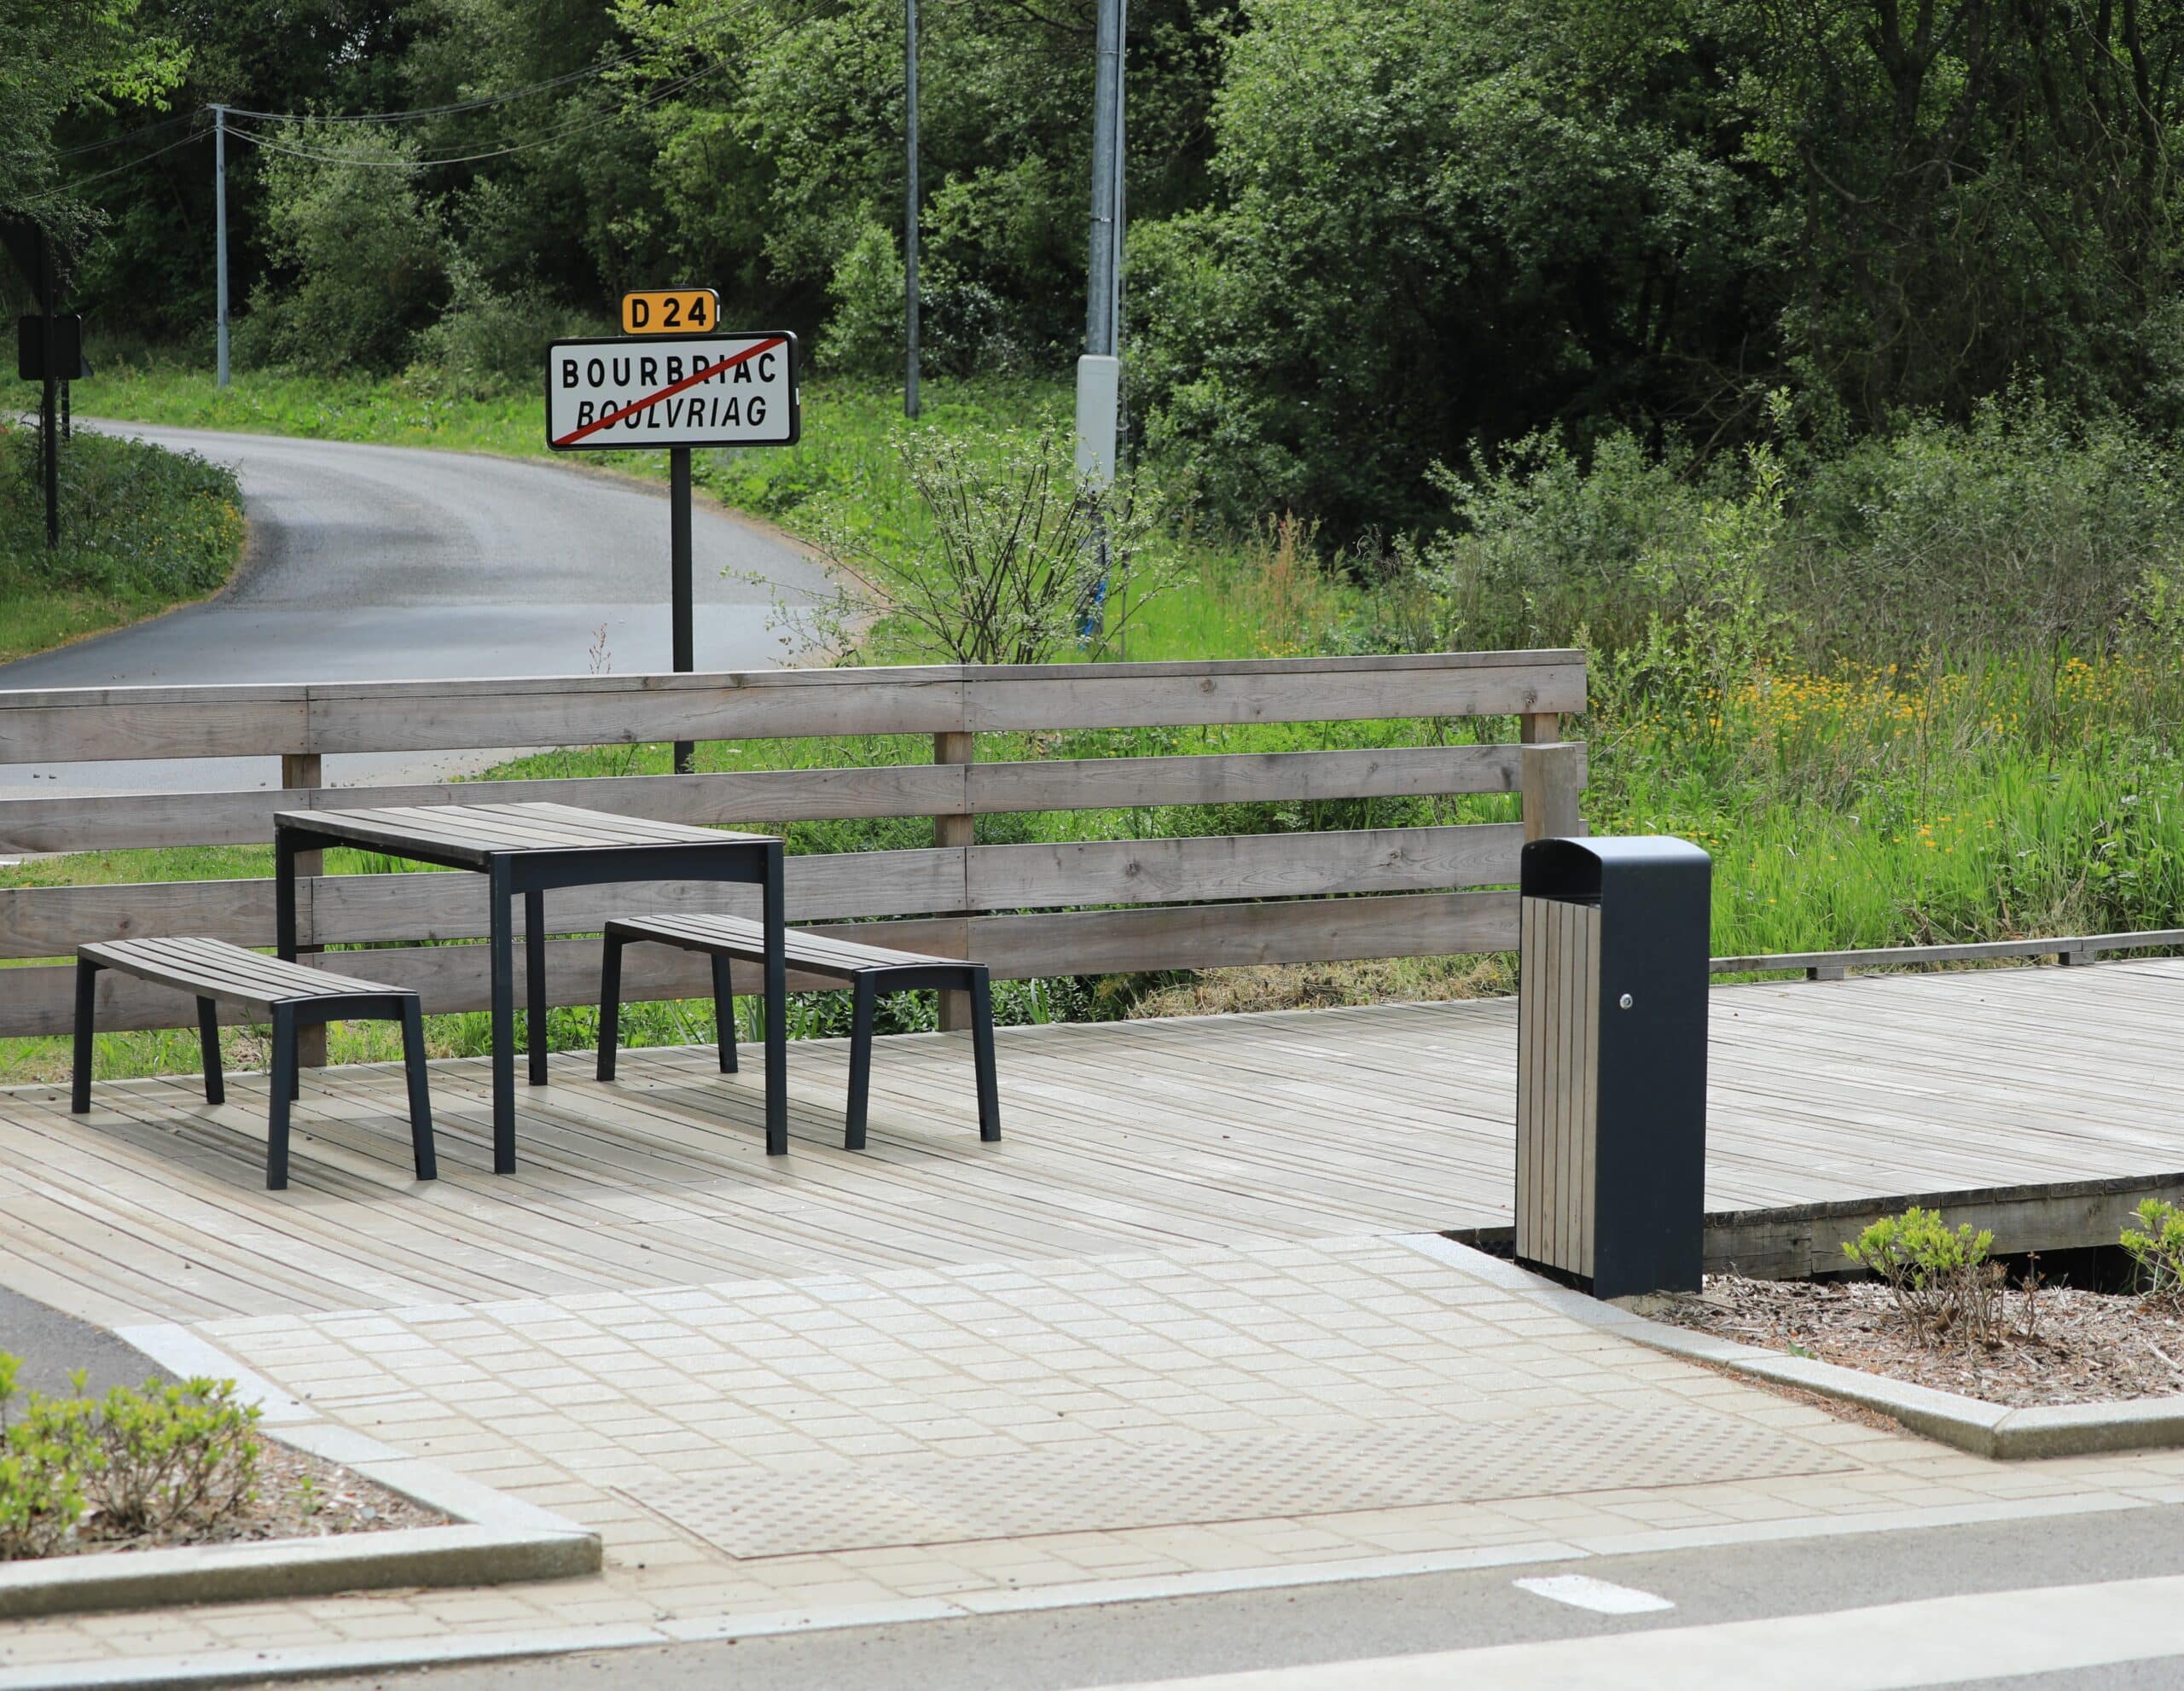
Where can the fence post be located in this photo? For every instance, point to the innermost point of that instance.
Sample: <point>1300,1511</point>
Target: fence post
<point>300,770</point>
<point>954,830</point>
<point>1550,779</point>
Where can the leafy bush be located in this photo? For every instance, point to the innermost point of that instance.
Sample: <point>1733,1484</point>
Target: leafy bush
<point>169,1458</point>
<point>367,261</point>
<point>2157,1246</point>
<point>864,334</point>
<point>1025,557</point>
<point>1942,1282</point>
<point>489,341</point>
<point>135,518</point>
<point>41,1477</point>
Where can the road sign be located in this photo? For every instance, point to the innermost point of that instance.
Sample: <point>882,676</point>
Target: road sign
<point>721,390</point>
<point>69,363</point>
<point>671,311</point>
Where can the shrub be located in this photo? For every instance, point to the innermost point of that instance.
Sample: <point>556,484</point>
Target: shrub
<point>864,330</point>
<point>490,341</point>
<point>1942,1282</point>
<point>364,252</point>
<point>167,1458</point>
<point>1021,557</point>
<point>134,517</point>
<point>41,1477</point>
<point>2157,1246</point>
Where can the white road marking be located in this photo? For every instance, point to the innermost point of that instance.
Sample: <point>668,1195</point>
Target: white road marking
<point>1601,1596</point>
<point>1894,1646</point>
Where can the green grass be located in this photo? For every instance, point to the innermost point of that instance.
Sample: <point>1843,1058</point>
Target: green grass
<point>142,530</point>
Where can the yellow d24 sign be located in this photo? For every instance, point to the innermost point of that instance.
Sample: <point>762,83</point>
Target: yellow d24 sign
<point>671,311</point>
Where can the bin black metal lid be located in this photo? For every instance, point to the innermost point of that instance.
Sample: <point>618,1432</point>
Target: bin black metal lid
<point>1573,868</point>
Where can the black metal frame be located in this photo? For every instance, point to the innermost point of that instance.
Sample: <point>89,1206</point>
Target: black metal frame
<point>867,987</point>
<point>394,1004</point>
<point>535,872</point>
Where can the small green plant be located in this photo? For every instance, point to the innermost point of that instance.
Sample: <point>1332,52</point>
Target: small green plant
<point>1942,1282</point>
<point>41,1475</point>
<point>166,1458</point>
<point>2157,1246</point>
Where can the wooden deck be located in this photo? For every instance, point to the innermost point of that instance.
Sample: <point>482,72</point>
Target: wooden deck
<point>1124,1137</point>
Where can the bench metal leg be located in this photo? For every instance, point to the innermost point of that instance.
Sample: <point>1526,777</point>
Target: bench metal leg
<point>208,1045</point>
<point>725,1012</point>
<point>610,1003</point>
<point>770,911</point>
<point>982,1056</point>
<point>534,974</point>
<point>863,1000</point>
<point>420,1099</point>
<point>504,968</point>
<point>284,1081</point>
<point>87,998</point>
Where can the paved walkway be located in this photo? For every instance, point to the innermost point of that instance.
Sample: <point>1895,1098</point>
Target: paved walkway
<point>997,1391</point>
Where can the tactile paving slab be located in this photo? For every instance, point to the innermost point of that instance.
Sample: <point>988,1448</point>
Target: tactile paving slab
<point>928,1499</point>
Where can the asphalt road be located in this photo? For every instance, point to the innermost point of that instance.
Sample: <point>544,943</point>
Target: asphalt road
<point>407,563</point>
<point>1851,1584</point>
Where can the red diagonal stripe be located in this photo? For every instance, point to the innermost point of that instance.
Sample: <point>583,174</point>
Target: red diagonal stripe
<point>669,392</point>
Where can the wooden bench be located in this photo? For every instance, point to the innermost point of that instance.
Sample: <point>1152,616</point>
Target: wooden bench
<point>870,970</point>
<point>288,995</point>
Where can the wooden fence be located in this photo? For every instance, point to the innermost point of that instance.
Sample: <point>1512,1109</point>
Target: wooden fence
<point>1088,907</point>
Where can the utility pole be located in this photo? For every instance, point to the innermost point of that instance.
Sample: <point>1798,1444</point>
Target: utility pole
<point>220,223</point>
<point>1099,372</point>
<point>910,206</point>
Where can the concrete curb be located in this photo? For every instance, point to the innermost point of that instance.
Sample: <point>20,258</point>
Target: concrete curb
<point>496,1538</point>
<point>1993,1430</point>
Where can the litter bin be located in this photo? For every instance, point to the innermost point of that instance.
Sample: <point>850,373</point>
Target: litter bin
<point>1611,1062</point>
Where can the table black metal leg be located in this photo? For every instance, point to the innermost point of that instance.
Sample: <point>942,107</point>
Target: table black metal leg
<point>503,966</point>
<point>534,977</point>
<point>776,1009</point>
<point>284,895</point>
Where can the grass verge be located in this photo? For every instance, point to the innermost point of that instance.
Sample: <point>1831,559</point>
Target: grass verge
<point>142,530</point>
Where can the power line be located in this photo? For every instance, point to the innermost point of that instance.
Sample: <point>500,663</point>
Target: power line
<point>133,135</point>
<point>485,102</point>
<point>66,188</point>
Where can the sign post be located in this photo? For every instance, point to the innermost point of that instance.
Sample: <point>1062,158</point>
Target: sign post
<point>677,390</point>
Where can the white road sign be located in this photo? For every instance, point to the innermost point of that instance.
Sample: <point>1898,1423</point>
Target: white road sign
<point>714,390</point>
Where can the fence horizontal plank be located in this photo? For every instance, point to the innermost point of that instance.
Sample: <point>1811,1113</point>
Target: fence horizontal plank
<point>347,910</point>
<point>1240,866</point>
<point>1211,694</point>
<point>1247,777</point>
<point>454,978</point>
<point>95,724</point>
<point>130,821</point>
<point>134,821</point>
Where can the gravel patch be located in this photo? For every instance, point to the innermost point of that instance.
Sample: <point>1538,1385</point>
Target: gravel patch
<point>2085,1347</point>
<point>299,1496</point>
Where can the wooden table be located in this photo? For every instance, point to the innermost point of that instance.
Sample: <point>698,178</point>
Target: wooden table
<point>533,849</point>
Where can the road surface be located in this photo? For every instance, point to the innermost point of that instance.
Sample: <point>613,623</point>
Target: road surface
<point>2071,1602</point>
<point>408,563</point>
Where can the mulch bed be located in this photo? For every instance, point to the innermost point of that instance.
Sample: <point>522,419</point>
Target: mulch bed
<point>2085,1347</point>
<point>333,1501</point>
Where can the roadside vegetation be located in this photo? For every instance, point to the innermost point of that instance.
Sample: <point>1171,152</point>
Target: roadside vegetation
<point>141,529</point>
